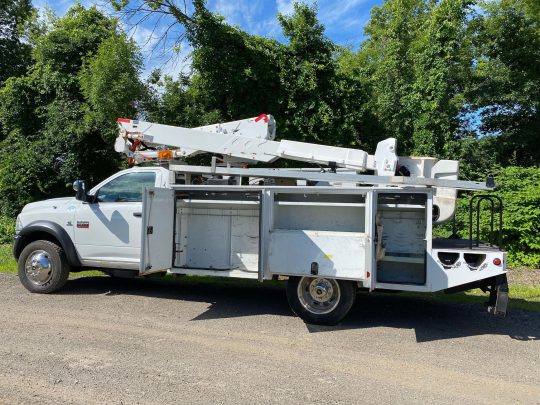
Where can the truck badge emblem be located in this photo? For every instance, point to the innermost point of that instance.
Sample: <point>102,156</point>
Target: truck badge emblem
<point>83,224</point>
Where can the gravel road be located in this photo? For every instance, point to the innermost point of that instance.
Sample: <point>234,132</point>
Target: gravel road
<point>150,341</point>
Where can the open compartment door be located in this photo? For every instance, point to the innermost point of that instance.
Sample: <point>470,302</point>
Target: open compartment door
<point>157,233</point>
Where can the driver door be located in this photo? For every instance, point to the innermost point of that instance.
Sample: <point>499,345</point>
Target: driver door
<point>108,231</point>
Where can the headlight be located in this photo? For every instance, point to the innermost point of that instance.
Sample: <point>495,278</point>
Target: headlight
<point>18,226</point>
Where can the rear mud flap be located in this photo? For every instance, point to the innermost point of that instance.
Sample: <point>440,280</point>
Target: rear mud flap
<point>498,296</point>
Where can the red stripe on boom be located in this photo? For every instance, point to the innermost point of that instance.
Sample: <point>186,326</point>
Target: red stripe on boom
<point>124,120</point>
<point>262,117</point>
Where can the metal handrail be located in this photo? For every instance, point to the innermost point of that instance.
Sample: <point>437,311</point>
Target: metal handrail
<point>491,199</point>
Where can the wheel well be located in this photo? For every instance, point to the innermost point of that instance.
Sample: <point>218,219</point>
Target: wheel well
<point>32,237</point>
<point>49,231</point>
<point>40,235</point>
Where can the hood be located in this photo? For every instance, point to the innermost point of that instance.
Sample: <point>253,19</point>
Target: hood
<point>53,203</point>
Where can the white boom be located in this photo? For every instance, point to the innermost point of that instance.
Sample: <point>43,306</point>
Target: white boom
<point>252,140</point>
<point>249,140</point>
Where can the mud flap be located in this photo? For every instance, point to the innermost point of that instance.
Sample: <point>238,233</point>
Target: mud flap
<point>498,296</point>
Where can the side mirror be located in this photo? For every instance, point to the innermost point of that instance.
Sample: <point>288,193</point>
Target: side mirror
<point>80,189</point>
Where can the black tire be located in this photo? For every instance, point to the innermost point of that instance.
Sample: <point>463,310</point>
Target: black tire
<point>341,306</point>
<point>40,278</point>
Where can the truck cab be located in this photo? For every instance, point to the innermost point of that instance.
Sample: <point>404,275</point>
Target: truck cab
<point>102,230</point>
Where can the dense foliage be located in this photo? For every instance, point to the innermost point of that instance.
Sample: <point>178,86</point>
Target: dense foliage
<point>7,229</point>
<point>456,79</point>
<point>14,52</point>
<point>57,118</point>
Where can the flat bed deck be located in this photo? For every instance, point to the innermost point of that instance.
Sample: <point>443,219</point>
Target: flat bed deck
<point>462,244</point>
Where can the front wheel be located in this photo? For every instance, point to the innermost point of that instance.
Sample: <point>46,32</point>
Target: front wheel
<point>43,267</point>
<point>319,300</point>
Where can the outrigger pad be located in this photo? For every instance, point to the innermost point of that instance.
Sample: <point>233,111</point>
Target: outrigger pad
<point>498,296</point>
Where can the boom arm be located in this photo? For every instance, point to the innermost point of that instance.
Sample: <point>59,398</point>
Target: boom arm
<point>250,140</point>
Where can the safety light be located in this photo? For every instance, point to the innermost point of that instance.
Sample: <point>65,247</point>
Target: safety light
<point>497,261</point>
<point>165,154</point>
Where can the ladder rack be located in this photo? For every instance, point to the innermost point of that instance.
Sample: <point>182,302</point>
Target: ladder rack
<point>363,179</point>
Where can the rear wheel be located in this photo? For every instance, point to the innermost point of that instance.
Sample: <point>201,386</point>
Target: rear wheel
<point>319,300</point>
<point>43,267</point>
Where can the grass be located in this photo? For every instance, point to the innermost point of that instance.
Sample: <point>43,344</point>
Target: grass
<point>7,262</point>
<point>522,296</point>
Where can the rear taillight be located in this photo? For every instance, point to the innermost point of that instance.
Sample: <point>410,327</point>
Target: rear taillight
<point>497,261</point>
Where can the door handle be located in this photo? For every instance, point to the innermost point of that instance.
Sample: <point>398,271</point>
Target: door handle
<point>137,214</point>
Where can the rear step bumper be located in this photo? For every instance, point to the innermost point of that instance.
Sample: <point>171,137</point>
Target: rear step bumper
<point>498,293</point>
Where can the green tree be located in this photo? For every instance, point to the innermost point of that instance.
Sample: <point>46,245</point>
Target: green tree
<point>234,72</point>
<point>505,90</point>
<point>175,102</point>
<point>388,65</point>
<point>14,51</point>
<point>239,75</point>
<point>418,57</point>
<point>443,56</point>
<point>109,82</point>
<point>320,101</point>
<point>59,118</point>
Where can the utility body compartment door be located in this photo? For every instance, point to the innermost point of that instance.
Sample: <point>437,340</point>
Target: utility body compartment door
<point>157,234</point>
<point>335,254</point>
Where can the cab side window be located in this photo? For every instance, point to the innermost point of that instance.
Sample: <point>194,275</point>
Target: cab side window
<point>126,188</point>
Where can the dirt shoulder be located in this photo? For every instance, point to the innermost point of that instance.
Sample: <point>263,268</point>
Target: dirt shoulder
<point>149,341</point>
<point>524,277</point>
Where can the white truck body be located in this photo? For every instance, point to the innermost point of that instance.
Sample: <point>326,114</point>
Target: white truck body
<point>217,230</point>
<point>373,231</point>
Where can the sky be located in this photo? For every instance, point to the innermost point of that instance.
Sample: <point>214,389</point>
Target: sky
<point>343,19</point>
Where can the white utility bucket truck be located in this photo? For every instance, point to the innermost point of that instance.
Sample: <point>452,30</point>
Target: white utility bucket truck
<point>331,231</point>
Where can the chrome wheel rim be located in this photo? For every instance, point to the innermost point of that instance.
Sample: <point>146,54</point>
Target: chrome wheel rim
<point>38,267</point>
<point>319,295</point>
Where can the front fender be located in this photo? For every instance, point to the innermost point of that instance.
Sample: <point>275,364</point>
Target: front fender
<point>26,235</point>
